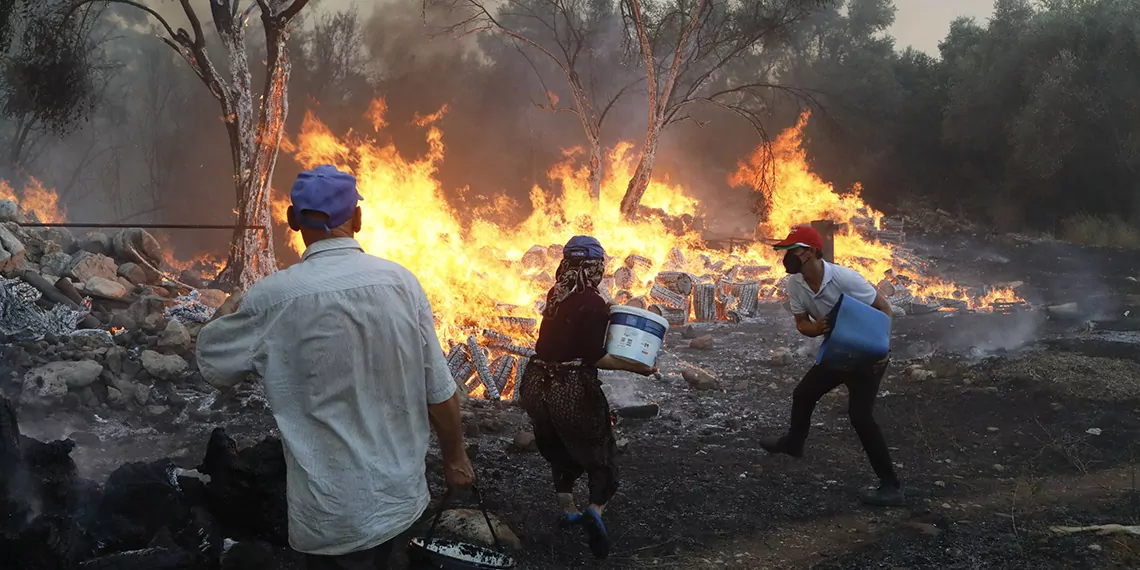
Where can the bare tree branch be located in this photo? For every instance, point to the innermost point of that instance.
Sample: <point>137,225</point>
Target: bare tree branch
<point>567,33</point>
<point>688,48</point>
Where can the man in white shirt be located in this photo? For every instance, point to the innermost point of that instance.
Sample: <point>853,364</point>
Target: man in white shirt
<point>813,290</point>
<point>346,347</point>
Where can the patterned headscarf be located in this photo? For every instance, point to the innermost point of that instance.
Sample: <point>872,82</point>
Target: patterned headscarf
<point>573,276</point>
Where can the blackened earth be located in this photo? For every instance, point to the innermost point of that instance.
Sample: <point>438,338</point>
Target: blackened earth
<point>1002,427</point>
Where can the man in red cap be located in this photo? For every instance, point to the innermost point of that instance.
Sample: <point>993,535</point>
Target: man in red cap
<point>814,289</point>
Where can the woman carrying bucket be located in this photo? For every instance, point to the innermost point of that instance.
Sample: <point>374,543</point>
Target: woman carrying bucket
<point>823,297</point>
<point>561,393</point>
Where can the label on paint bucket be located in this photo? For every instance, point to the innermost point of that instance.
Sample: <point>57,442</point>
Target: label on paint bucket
<point>635,335</point>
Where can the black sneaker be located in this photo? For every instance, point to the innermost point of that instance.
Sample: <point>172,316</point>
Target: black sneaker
<point>886,496</point>
<point>776,445</point>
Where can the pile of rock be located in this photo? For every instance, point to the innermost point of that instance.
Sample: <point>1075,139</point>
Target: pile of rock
<point>115,280</point>
<point>96,323</point>
<point>95,370</point>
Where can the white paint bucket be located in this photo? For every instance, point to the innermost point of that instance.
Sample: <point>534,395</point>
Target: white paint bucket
<point>635,335</point>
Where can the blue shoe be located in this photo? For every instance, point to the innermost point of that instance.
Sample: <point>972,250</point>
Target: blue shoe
<point>596,529</point>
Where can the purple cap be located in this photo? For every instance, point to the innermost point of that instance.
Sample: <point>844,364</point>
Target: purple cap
<point>583,247</point>
<point>327,190</point>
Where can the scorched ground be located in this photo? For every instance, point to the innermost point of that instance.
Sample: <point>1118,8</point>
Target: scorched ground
<point>1004,426</point>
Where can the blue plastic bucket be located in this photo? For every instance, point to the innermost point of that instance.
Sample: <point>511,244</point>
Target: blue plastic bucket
<point>859,333</point>
<point>635,335</point>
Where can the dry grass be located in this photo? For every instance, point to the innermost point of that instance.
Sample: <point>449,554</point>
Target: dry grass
<point>1092,230</point>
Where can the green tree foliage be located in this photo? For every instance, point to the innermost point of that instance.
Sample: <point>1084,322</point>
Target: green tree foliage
<point>49,70</point>
<point>1027,120</point>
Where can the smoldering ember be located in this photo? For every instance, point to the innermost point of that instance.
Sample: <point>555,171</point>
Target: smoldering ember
<point>1010,405</point>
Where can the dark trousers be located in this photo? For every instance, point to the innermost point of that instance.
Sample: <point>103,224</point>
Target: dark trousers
<point>372,559</point>
<point>571,420</point>
<point>596,459</point>
<point>862,388</point>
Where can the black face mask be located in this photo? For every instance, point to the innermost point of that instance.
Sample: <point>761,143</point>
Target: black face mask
<point>792,263</point>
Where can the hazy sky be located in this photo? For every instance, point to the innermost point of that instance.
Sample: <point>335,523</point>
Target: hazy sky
<point>924,23</point>
<point>918,23</point>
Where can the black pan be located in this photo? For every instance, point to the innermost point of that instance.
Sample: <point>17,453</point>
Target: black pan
<point>440,554</point>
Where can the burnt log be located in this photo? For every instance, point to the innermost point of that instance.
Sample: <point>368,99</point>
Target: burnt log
<point>523,324</point>
<point>748,295</point>
<point>953,304</point>
<point>732,273</point>
<point>662,296</point>
<point>515,349</point>
<point>726,302</point>
<point>461,368</point>
<point>704,303</point>
<point>644,412</point>
<point>639,264</point>
<point>675,316</point>
<point>50,293</point>
<point>638,303</point>
<point>622,297</point>
<point>753,271</point>
<point>606,287</point>
<point>494,337</point>
<point>676,259</point>
<point>482,368</point>
<point>676,281</point>
<point>68,288</point>
<point>534,258</point>
<point>624,278</point>
<point>503,372</point>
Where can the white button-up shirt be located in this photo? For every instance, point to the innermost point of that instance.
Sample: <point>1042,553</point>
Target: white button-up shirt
<point>837,280</point>
<point>346,347</point>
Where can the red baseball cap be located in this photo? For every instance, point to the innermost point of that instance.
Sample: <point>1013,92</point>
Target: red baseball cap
<point>801,236</point>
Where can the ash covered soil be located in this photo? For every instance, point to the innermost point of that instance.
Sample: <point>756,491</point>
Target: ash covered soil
<point>1002,427</point>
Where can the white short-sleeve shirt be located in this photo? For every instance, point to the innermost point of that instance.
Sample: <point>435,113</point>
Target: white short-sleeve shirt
<point>346,347</point>
<point>837,280</point>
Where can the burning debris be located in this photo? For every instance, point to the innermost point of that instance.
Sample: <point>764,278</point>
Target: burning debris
<point>487,276</point>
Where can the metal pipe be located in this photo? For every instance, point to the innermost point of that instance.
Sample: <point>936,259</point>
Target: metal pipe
<point>143,226</point>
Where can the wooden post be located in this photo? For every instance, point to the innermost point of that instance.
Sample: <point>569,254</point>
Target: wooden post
<point>826,229</point>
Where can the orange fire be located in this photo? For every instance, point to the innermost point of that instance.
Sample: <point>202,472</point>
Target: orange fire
<point>476,273</point>
<point>35,199</point>
<point>207,266</point>
<point>471,273</point>
<point>796,195</point>
<point>43,203</point>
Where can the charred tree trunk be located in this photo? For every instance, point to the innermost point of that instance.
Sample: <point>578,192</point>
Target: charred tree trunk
<point>254,130</point>
<point>594,170</point>
<point>639,183</point>
<point>256,140</point>
<point>660,95</point>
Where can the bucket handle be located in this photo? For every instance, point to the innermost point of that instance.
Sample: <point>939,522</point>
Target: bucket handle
<point>482,509</point>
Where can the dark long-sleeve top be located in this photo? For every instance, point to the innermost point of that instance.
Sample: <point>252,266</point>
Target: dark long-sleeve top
<point>576,331</point>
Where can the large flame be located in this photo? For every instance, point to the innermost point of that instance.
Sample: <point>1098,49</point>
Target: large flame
<point>795,195</point>
<point>474,273</point>
<point>35,199</point>
<point>40,203</point>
